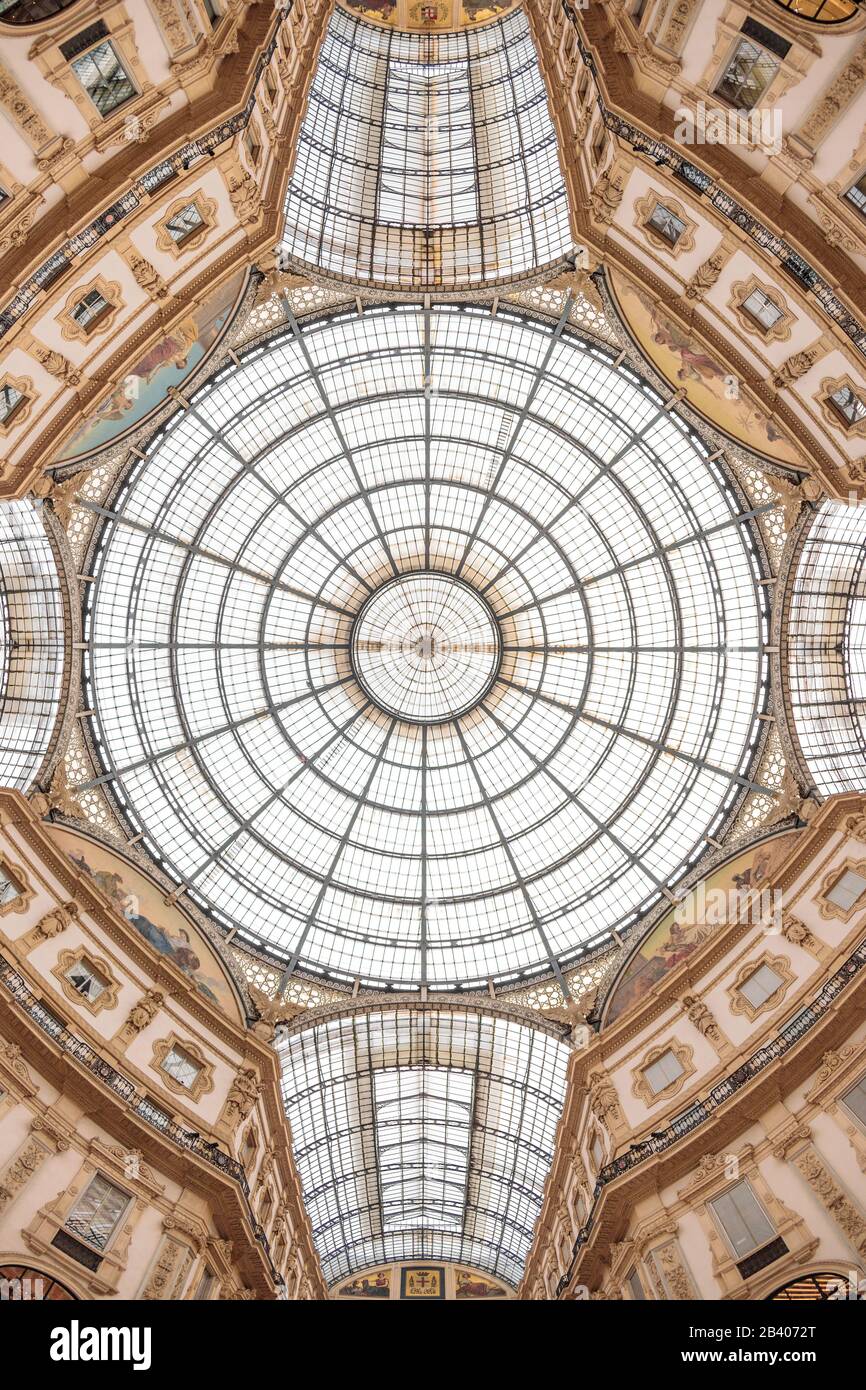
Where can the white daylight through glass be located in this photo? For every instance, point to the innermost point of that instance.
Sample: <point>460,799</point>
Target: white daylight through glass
<point>426,646</point>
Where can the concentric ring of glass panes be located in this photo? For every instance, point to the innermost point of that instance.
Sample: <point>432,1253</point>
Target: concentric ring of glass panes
<point>620,728</point>
<point>425,647</point>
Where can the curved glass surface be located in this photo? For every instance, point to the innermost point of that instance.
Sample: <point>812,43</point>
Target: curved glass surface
<point>427,160</point>
<point>826,648</point>
<point>423,1135</point>
<point>31,644</point>
<point>521,818</point>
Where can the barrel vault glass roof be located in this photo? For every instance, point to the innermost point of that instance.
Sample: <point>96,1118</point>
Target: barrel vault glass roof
<point>614,730</point>
<point>427,160</point>
<point>423,1135</point>
<point>31,643</point>
<point>826,648</point>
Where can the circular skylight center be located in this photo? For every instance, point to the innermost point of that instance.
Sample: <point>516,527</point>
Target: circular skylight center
<point>425,648</point>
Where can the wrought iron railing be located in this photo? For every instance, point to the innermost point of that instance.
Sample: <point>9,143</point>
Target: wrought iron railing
<point>703,1110</point>
<point>125,1090</point>
<point>704,185</point>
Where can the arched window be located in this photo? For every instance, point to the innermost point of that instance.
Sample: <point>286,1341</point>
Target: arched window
<point>821,11</point>
<point>31,11</point>
<point>815,1288</point>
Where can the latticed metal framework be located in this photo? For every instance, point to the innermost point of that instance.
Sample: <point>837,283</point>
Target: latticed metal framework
<point>423,1134</point>
<point>826,648</point>
<point>31,643</point>
<point>427,160</point>
<point>346,826</point>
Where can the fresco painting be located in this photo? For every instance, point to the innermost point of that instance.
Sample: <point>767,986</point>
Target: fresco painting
<point>671,941</point>
<point>163,926</point>
<point>167,362</point>
<point>686,363</point>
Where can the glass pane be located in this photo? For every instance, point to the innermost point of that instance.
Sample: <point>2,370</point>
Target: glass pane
<point>184,222</point>
<point>743,1219</point>
<point>847,890</point>
<point>855,1099</point>
<point>96,1214</point>
<point>759,987</point>
<point>102,75</point>
<point>181,1066</point>
<point>748,75</point>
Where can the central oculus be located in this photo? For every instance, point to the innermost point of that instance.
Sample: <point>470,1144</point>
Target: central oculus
<point>425,647</point>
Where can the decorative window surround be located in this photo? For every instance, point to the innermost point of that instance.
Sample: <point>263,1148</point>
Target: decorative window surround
<point>790,69</point>
<point>15,875</point>
<point>830,909</point>
<point>71,330</point>
<point>203,1082</point>
<point>106,999</point>
<point>640,1084</point>
<point>644,209</point>
<point>20,411</point>
<point>738,1002</point>
<point>206,209</point>
<point>712,1178</point>
<point>780,331</point>
<point>833,416</point>
<point>107,1266</point>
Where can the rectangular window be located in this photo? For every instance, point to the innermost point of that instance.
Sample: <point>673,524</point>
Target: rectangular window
<point>663,1072</point>
<point>857,194</point>
<point>635,1285</point>
<point>11,402</point>
<point>742,1219</point>
<point>597,1152</point>
<point>204,1289</point>
<point>184,222</point>
<point>104,78</point>
<point>855,1100</point>
<point>212,12</point>
<point>181,1066</point>
<point>254,149</point>
<point>849,405</point>
<point>748,74</point>
<point>847,890</point>
<point>97,1213</point>
<point>761,308</point>
<point>761,986</point>
<point>666,223</point>
<point>90,310</point>
<point>85,980</point>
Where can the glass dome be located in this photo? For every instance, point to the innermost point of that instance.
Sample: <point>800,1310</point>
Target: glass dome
<point>426,647</point>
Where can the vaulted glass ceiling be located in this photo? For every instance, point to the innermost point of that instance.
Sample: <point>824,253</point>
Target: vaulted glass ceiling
<point>31,643</point>
<point>426,647</point>
<point>423,1134</point>
<point>427,160</point>
<point>826,648</point>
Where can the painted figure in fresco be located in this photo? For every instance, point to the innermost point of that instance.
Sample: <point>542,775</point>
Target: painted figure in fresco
<point>369,1286</point>
<point>177,946</point>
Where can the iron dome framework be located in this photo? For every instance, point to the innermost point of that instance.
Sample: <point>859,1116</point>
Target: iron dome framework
<point>502,452</point>
<point>423,1134</point>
